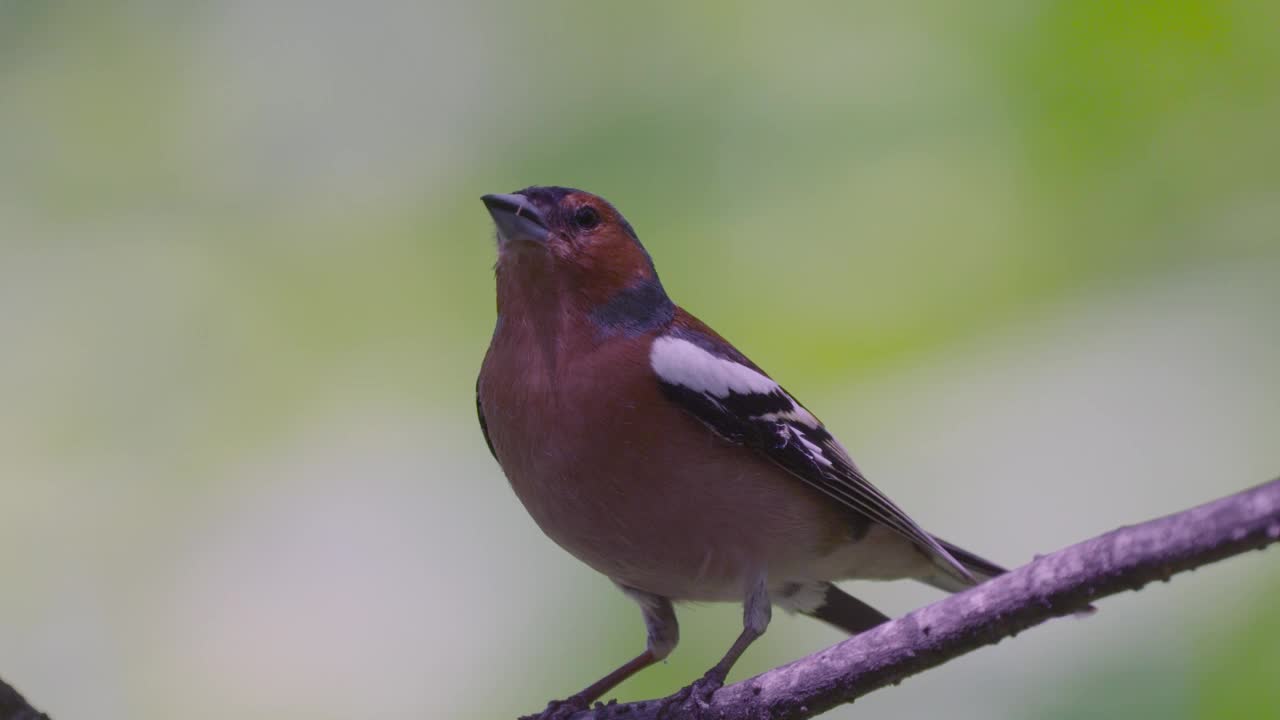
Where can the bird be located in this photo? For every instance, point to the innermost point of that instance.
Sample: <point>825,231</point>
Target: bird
<point>651,449</point>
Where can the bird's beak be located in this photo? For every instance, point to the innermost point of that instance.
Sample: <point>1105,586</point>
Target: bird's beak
<point>516,218</point>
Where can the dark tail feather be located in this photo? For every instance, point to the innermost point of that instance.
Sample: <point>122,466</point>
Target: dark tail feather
<point>846,612</point>
<point>981,569</point>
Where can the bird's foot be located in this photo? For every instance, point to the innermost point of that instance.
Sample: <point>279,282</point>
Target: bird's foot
<point>694,701</point>
<point>561,709</point>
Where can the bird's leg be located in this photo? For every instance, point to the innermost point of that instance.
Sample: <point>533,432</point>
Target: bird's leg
<point>693,700</point>
<point>663,635</point>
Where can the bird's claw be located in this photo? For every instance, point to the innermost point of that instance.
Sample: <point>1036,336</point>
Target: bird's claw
<point>694,701</point>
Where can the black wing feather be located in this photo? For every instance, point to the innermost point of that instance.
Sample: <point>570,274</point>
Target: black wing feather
<point>484,427</point>
<point>766,423</point>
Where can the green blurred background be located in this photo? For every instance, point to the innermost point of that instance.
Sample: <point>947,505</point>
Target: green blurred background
<point>1022,257</point>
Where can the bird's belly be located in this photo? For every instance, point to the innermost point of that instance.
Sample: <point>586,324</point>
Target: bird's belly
<point>646,557</point>
<point>686,532</point>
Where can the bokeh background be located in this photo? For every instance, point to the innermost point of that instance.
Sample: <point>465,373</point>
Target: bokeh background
<point>1023,257</point>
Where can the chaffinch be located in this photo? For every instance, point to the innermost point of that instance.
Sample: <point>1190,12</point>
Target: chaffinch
<point>652,450</point>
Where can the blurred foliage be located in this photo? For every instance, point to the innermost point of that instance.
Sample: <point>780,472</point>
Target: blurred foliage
<point>234,235</point>
<point>1237,674</point>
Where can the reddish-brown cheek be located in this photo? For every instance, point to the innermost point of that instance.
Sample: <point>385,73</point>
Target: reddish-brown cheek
<point>610,264</point>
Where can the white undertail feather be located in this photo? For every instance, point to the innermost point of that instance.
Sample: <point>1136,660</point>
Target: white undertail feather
<point>805,599</point>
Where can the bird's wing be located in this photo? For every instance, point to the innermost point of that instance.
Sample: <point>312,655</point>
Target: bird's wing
<point>484,427</point>
<point>706,376</point>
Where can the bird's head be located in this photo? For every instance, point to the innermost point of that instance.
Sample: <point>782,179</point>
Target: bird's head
<point>562,244</point>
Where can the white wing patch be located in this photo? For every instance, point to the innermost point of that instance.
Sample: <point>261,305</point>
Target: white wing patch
<point>815,452</point>
<point>796,414</point>
<point>680,362</point>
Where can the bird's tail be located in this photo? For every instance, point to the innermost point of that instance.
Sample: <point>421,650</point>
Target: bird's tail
<point>842,610</point>
<point>981,569</point>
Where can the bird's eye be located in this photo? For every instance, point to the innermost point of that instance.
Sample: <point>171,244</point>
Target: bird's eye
<point>586,217</point>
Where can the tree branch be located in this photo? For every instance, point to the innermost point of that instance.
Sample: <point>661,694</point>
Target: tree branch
<point>1058,584</point>
<point>15,707</point>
